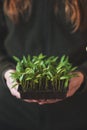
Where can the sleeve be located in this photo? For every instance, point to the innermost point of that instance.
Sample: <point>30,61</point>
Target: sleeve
<point>83,66</point>
<point>6,61</point>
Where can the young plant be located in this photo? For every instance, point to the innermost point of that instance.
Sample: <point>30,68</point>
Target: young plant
<point>42,73</point>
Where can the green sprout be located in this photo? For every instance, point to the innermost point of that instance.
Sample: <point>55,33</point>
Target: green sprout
<point>42,73</point>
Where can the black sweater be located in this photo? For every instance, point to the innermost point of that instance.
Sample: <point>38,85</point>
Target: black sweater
<point>45,33</point>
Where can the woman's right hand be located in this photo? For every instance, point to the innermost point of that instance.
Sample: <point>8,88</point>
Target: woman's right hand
<point>10,83</point>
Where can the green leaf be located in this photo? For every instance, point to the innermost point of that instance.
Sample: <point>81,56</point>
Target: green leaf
<point>16,58</point>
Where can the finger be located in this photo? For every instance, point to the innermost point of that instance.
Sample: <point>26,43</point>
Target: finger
<point>43,101</point>
<point>72,91</point>
<point>30,100</point>
<point>15,93</point>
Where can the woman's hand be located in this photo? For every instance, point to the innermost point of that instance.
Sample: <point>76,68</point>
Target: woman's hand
<point>10,83</point>
<point>75,84</point>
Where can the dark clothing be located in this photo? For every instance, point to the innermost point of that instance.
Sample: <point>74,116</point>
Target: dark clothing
<point>49,34</point>
<point>70,114</point>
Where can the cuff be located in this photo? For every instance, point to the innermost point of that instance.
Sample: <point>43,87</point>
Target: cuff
<point>5,66</point>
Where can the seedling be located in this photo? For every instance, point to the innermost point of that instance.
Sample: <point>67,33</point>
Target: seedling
<point>43,74</point>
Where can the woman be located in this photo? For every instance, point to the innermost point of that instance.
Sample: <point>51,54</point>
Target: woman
<point>53,28</point>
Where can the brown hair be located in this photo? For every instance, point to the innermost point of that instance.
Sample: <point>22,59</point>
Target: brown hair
<point>75,11</point>
<point>15,8</point>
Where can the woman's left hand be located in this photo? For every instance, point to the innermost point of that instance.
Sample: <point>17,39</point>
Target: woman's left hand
<point>75,84</point>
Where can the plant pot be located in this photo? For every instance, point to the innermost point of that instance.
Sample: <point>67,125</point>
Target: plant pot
<point>41,94</point>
